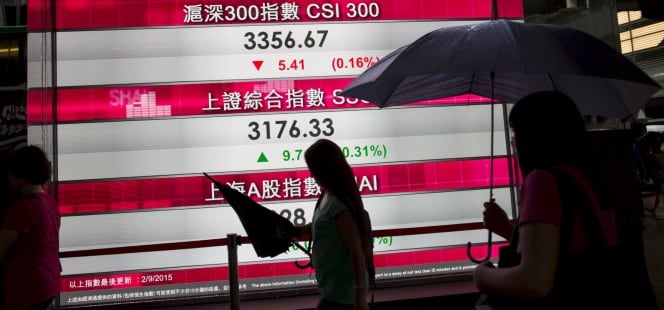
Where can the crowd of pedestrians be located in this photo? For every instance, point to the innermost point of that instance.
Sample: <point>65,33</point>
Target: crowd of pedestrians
<point>562,222</point>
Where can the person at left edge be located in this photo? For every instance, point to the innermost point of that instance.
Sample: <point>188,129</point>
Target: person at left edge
<point>29,243</point>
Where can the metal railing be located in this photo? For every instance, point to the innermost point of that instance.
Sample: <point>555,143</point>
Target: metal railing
<point>232,241</point>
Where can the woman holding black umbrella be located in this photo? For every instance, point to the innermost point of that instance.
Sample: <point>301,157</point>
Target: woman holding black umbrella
<point>339,254</point>
<point>563,251</point>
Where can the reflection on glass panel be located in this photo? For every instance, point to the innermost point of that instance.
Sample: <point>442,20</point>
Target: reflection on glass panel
<point>9,49</point>
<point>626,47</point>
<point>642,37</point>
<point>648,41</point>
<point>625,35</point>
<point>646,30</point>
<point>627,16</point>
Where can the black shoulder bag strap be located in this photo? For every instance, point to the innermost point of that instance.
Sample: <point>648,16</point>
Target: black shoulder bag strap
<point>579,280</point>
<point>574,200</point>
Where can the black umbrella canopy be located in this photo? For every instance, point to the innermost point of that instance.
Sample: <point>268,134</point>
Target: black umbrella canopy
<point>507,60</point>
<point>270,233</point>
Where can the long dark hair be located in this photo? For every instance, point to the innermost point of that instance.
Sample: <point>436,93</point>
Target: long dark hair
<point>30,163</point>
<point>329,167</point>
<point>549,130</point>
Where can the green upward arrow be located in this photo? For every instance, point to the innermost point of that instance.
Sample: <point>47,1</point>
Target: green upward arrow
<point>262,158</point>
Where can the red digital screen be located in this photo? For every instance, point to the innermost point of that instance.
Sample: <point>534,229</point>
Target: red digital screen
<point>151,94</point>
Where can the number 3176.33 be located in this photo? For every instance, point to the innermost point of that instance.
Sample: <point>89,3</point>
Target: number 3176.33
<point>283,129</point>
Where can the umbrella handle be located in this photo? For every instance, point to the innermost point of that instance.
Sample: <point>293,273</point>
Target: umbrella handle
<point>306,251</point>
<point>488,254</point>
<point>305,266</point>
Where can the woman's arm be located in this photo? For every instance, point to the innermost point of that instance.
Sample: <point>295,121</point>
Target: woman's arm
<point>7,240</point>
<point>351,236</point>
<point>303,231</point>
<point>534,276</point>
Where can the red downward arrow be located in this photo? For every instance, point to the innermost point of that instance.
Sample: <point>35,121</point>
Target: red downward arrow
<point>257,64</point>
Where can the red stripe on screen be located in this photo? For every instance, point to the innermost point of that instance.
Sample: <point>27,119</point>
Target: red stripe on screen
<point>153,193</point>
<point>85,14</point>
<point>111,103</point>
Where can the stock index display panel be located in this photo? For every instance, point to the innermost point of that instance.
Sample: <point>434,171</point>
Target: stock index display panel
<point>151,94</point>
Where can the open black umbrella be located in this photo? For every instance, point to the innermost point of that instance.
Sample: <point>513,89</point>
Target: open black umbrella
<point>507,60</point>
<point>270,233</point>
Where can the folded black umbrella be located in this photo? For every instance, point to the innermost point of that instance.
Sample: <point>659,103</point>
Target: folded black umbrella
<point>270,233</point>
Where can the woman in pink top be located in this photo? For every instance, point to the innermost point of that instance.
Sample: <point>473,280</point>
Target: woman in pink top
<point>29,248</point>
<point>549,135</point>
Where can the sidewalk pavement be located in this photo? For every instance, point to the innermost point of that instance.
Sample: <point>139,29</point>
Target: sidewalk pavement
<point>653,244</point>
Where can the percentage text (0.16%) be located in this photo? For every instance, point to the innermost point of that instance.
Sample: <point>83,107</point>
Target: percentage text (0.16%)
<point>360,62</point>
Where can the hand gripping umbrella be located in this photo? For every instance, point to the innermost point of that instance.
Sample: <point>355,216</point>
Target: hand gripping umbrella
<point>270,233</point>
<point>506,61</point>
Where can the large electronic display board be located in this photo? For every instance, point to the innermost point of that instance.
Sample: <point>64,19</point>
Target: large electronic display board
<point>150,94</point>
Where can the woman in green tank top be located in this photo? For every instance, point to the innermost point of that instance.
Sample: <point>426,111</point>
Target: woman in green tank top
<point>338,254</point>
